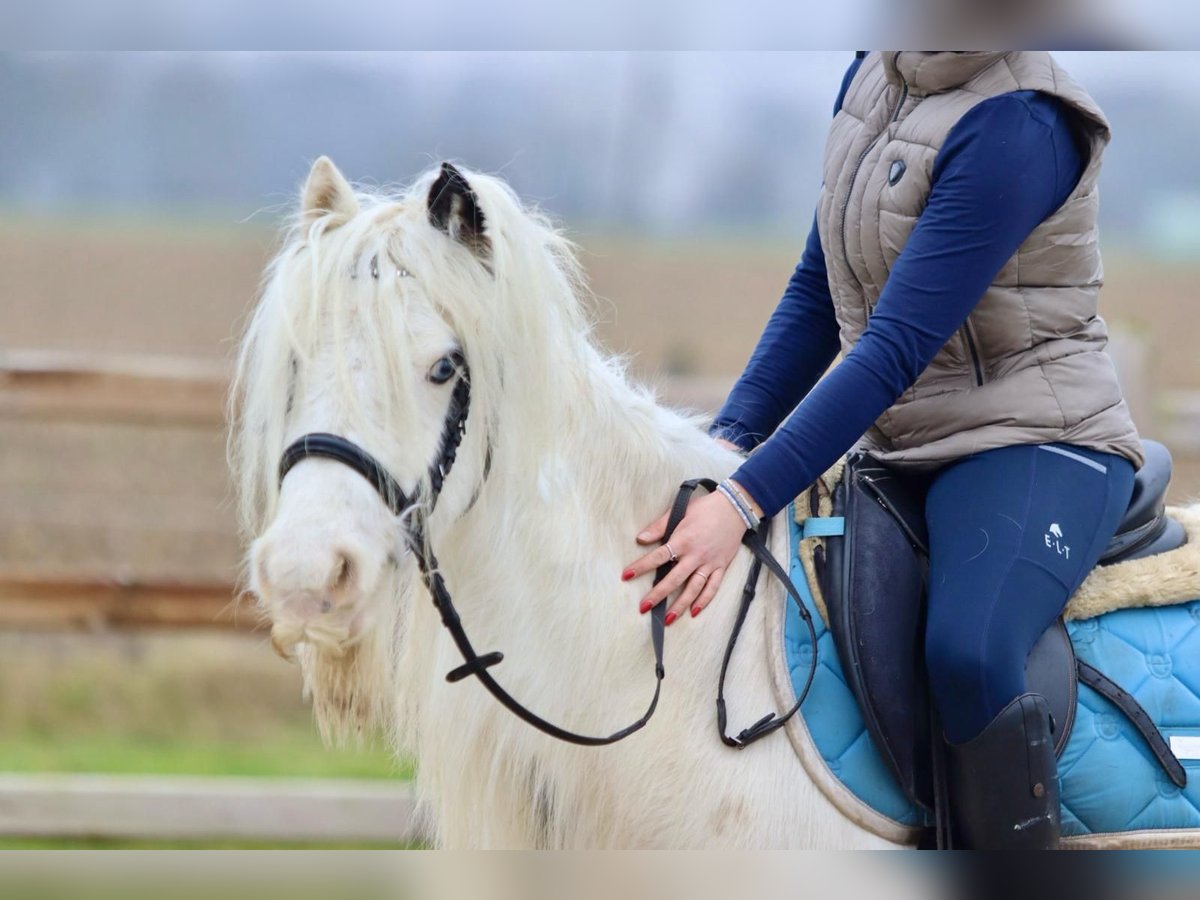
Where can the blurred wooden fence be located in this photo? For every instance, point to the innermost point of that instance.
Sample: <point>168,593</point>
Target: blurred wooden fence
<point>95,387</point>
<point>140,390</point>
<point>91,387</point>
<point>1179,410</point>
<point>136,807</point>
<point>42,603</point>
<point>58,386</point>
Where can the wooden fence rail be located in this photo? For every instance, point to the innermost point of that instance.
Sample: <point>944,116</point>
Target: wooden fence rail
<point>53,385</point>
<point>181,808</point>
<point>41,603</point>
<point>170,390</point>
<point>92,387</point>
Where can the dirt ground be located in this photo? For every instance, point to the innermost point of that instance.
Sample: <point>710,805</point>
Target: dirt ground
<point>154,501</point>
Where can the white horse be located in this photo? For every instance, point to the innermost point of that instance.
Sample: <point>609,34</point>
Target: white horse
<point>562,461</point>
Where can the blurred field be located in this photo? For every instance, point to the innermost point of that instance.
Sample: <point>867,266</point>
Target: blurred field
<point>162,704</point>
<point>195,704</point>
<point>153,502</point>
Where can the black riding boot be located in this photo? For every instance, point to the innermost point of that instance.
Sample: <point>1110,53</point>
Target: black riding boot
<point>1003,784</point>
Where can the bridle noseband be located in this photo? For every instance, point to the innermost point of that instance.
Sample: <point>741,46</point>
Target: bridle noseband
<point>415,511</point>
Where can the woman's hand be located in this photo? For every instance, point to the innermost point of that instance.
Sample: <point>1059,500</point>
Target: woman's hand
<point>705,543</point>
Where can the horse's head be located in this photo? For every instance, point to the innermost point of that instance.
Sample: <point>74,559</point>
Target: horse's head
<point>369,318</point>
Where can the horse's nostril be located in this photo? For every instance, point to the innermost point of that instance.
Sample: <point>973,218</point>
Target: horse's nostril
<point>317,584</point>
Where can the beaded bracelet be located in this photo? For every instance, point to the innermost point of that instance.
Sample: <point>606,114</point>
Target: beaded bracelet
<point>734,496</point>
<point>749,507</point>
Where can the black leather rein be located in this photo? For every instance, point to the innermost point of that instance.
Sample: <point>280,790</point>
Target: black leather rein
<point>416,516</point>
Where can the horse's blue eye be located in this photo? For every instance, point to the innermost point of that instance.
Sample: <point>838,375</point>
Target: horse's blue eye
<point>442,370</point>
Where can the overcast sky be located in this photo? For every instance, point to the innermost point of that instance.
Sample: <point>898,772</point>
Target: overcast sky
<point>658,140</point>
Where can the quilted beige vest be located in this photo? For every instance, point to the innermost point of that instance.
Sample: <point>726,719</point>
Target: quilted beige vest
<point>1029,365</point>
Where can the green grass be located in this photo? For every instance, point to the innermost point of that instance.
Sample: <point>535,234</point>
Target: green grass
<point>164,705</point>
<point>298,755</point>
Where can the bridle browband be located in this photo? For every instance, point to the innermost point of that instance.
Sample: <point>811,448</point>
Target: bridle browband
<point>415,510</point>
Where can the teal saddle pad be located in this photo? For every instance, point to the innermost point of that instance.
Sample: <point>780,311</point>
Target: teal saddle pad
<point>1110,781</point>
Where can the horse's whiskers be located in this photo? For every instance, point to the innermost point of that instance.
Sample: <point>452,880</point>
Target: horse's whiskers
<point>326,638</point>
<point>283,644</point>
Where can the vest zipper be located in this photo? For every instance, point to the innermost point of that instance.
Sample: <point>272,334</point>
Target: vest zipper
<point>975,361</point>
<point>854,176</point>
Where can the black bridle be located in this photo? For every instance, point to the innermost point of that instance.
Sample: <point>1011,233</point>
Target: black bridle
<point>330,446</point>
<point>416,509</point>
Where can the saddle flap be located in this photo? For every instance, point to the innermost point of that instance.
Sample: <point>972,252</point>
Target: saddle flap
<point>1145,528</point>
<point>873,581</point>
<point>1150,483</point>
<point>1050,671</point>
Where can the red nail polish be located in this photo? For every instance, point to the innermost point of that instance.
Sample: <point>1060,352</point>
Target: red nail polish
<point>645,607</point>
<point>696,611</point>
<point>670,618</point>
<point>627,574</point>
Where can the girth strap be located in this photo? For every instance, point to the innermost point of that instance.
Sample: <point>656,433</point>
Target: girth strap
<point>1127,704</point>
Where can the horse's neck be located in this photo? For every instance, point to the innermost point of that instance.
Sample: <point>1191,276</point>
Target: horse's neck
<point>544,548</point>
<point>618,456</point>
<point>535,569</point>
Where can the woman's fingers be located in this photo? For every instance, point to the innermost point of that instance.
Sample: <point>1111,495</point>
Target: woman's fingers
<point>659,556</point>
<point>654,531</point>
<point>711,586</point>
<point>702,546</point>
<point>675,579</point>
<point>691,590</point>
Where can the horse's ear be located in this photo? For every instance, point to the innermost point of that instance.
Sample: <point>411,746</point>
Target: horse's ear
<point>326,191</point>
<point>454,209</point>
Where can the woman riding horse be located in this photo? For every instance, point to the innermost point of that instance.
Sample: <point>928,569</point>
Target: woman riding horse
<point>954,262</point>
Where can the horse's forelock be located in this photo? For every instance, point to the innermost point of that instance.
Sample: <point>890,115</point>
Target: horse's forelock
<point>519,319</point>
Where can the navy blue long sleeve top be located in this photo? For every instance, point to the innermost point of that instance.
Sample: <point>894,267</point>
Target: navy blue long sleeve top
<point>1008,163</point>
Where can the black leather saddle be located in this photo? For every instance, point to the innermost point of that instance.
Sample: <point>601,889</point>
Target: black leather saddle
<point>873,578</point>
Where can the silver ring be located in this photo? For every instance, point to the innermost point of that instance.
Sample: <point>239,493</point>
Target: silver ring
<point>670,551</point>
<point>703,575</point>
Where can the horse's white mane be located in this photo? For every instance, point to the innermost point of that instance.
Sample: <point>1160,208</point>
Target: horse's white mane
<point>532,300</point>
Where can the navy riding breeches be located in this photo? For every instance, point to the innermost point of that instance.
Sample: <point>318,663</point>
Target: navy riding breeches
<point>1012,532</point>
